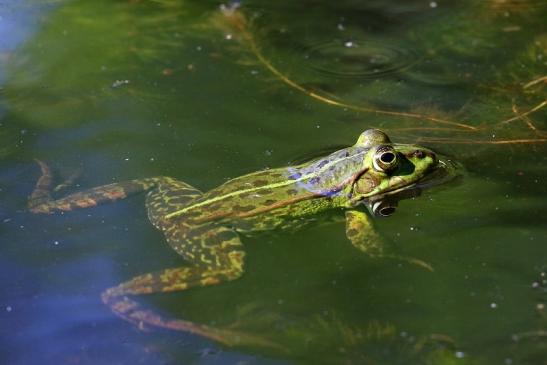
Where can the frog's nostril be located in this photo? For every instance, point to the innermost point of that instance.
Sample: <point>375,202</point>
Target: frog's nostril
<point>419,154</point>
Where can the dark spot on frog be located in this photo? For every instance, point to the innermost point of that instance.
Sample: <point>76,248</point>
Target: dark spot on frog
<point>177,200</point>
<point>292,191</point>
<point>269,202</point>
<point>212,207</point>
<point>294,176</point>
<point>315,180</point>
<point>192,214</point>
<point>352,232</point>
<point>225,235</point>
<point>322,163</point>
<point>260,182</point>
<point>264,192</point>
<point>246,208</point>
<point>245,195</point>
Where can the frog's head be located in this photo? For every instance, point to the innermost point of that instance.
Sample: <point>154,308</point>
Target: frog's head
<point>389,168</point>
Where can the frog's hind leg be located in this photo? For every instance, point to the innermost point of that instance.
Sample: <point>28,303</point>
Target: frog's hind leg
<point>41,201</point>
<point>217,256</point>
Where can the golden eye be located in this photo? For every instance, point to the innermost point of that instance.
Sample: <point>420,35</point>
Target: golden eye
<point>385,159</point>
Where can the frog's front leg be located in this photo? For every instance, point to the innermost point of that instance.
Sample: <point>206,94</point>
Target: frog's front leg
<point>41,200</point>
<point>361,233</point>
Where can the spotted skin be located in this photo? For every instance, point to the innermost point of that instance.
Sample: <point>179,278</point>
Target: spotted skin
<point>204,228</point>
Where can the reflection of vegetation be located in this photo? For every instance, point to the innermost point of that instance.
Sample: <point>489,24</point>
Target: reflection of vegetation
<point>524,97</point>
<point>89,56</point>
<point>329,339</point>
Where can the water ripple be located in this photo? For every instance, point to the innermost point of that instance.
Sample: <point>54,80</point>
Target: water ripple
<point>359,59</point>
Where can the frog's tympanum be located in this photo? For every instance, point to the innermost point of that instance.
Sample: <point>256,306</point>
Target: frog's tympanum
<point>205,228</point>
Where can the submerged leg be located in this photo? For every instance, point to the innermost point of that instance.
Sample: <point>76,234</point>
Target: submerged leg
<point>41,201</point>
<point>362,235</point>
<point>219,257</point>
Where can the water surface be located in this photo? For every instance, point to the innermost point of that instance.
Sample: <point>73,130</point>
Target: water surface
<point>204,92</point>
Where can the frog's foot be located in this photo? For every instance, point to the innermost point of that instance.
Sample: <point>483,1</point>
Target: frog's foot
<point>41,201</point>
<point>40,198</point>
<point>132,312</point>
<point>410,260</point>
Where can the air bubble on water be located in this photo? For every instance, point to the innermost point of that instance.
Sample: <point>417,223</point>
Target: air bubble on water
<point>349,44</point>
<point>493,305</point>
<point>9,308</point>
<point>119,83</point>
<point>56,243</point>
<point>433,4</point>
<point>459,354</point>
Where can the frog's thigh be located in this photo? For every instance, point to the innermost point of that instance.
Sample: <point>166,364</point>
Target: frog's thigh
<point>170,195</point>
<point>221,259</point>
<point>361,233</point>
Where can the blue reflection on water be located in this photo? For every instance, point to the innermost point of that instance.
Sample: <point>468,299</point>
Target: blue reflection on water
<point>42,325</point>
<point>18,21</point>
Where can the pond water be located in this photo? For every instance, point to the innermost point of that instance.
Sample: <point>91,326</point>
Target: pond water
<point>107,91</point>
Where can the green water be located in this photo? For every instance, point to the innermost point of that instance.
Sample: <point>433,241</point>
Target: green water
<point>124,89</point>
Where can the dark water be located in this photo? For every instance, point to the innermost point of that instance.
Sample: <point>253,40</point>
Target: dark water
<point>118,90</point>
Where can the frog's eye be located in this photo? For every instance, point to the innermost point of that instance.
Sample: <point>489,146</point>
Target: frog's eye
<point>385,159</point>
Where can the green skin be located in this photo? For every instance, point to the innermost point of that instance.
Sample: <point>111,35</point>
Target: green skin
<point>204,227</point>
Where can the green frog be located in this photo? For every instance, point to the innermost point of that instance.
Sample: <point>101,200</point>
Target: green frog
<point>205,228</point>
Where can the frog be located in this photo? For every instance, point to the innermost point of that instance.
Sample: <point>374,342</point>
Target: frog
<point>205,228</point>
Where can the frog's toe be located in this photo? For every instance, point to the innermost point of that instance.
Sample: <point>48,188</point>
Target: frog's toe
<point>413,261</point>
<point>41,196</point>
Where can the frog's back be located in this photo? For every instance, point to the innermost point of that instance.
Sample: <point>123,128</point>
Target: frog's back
<point>290,191</point>
<point>247,195</point>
